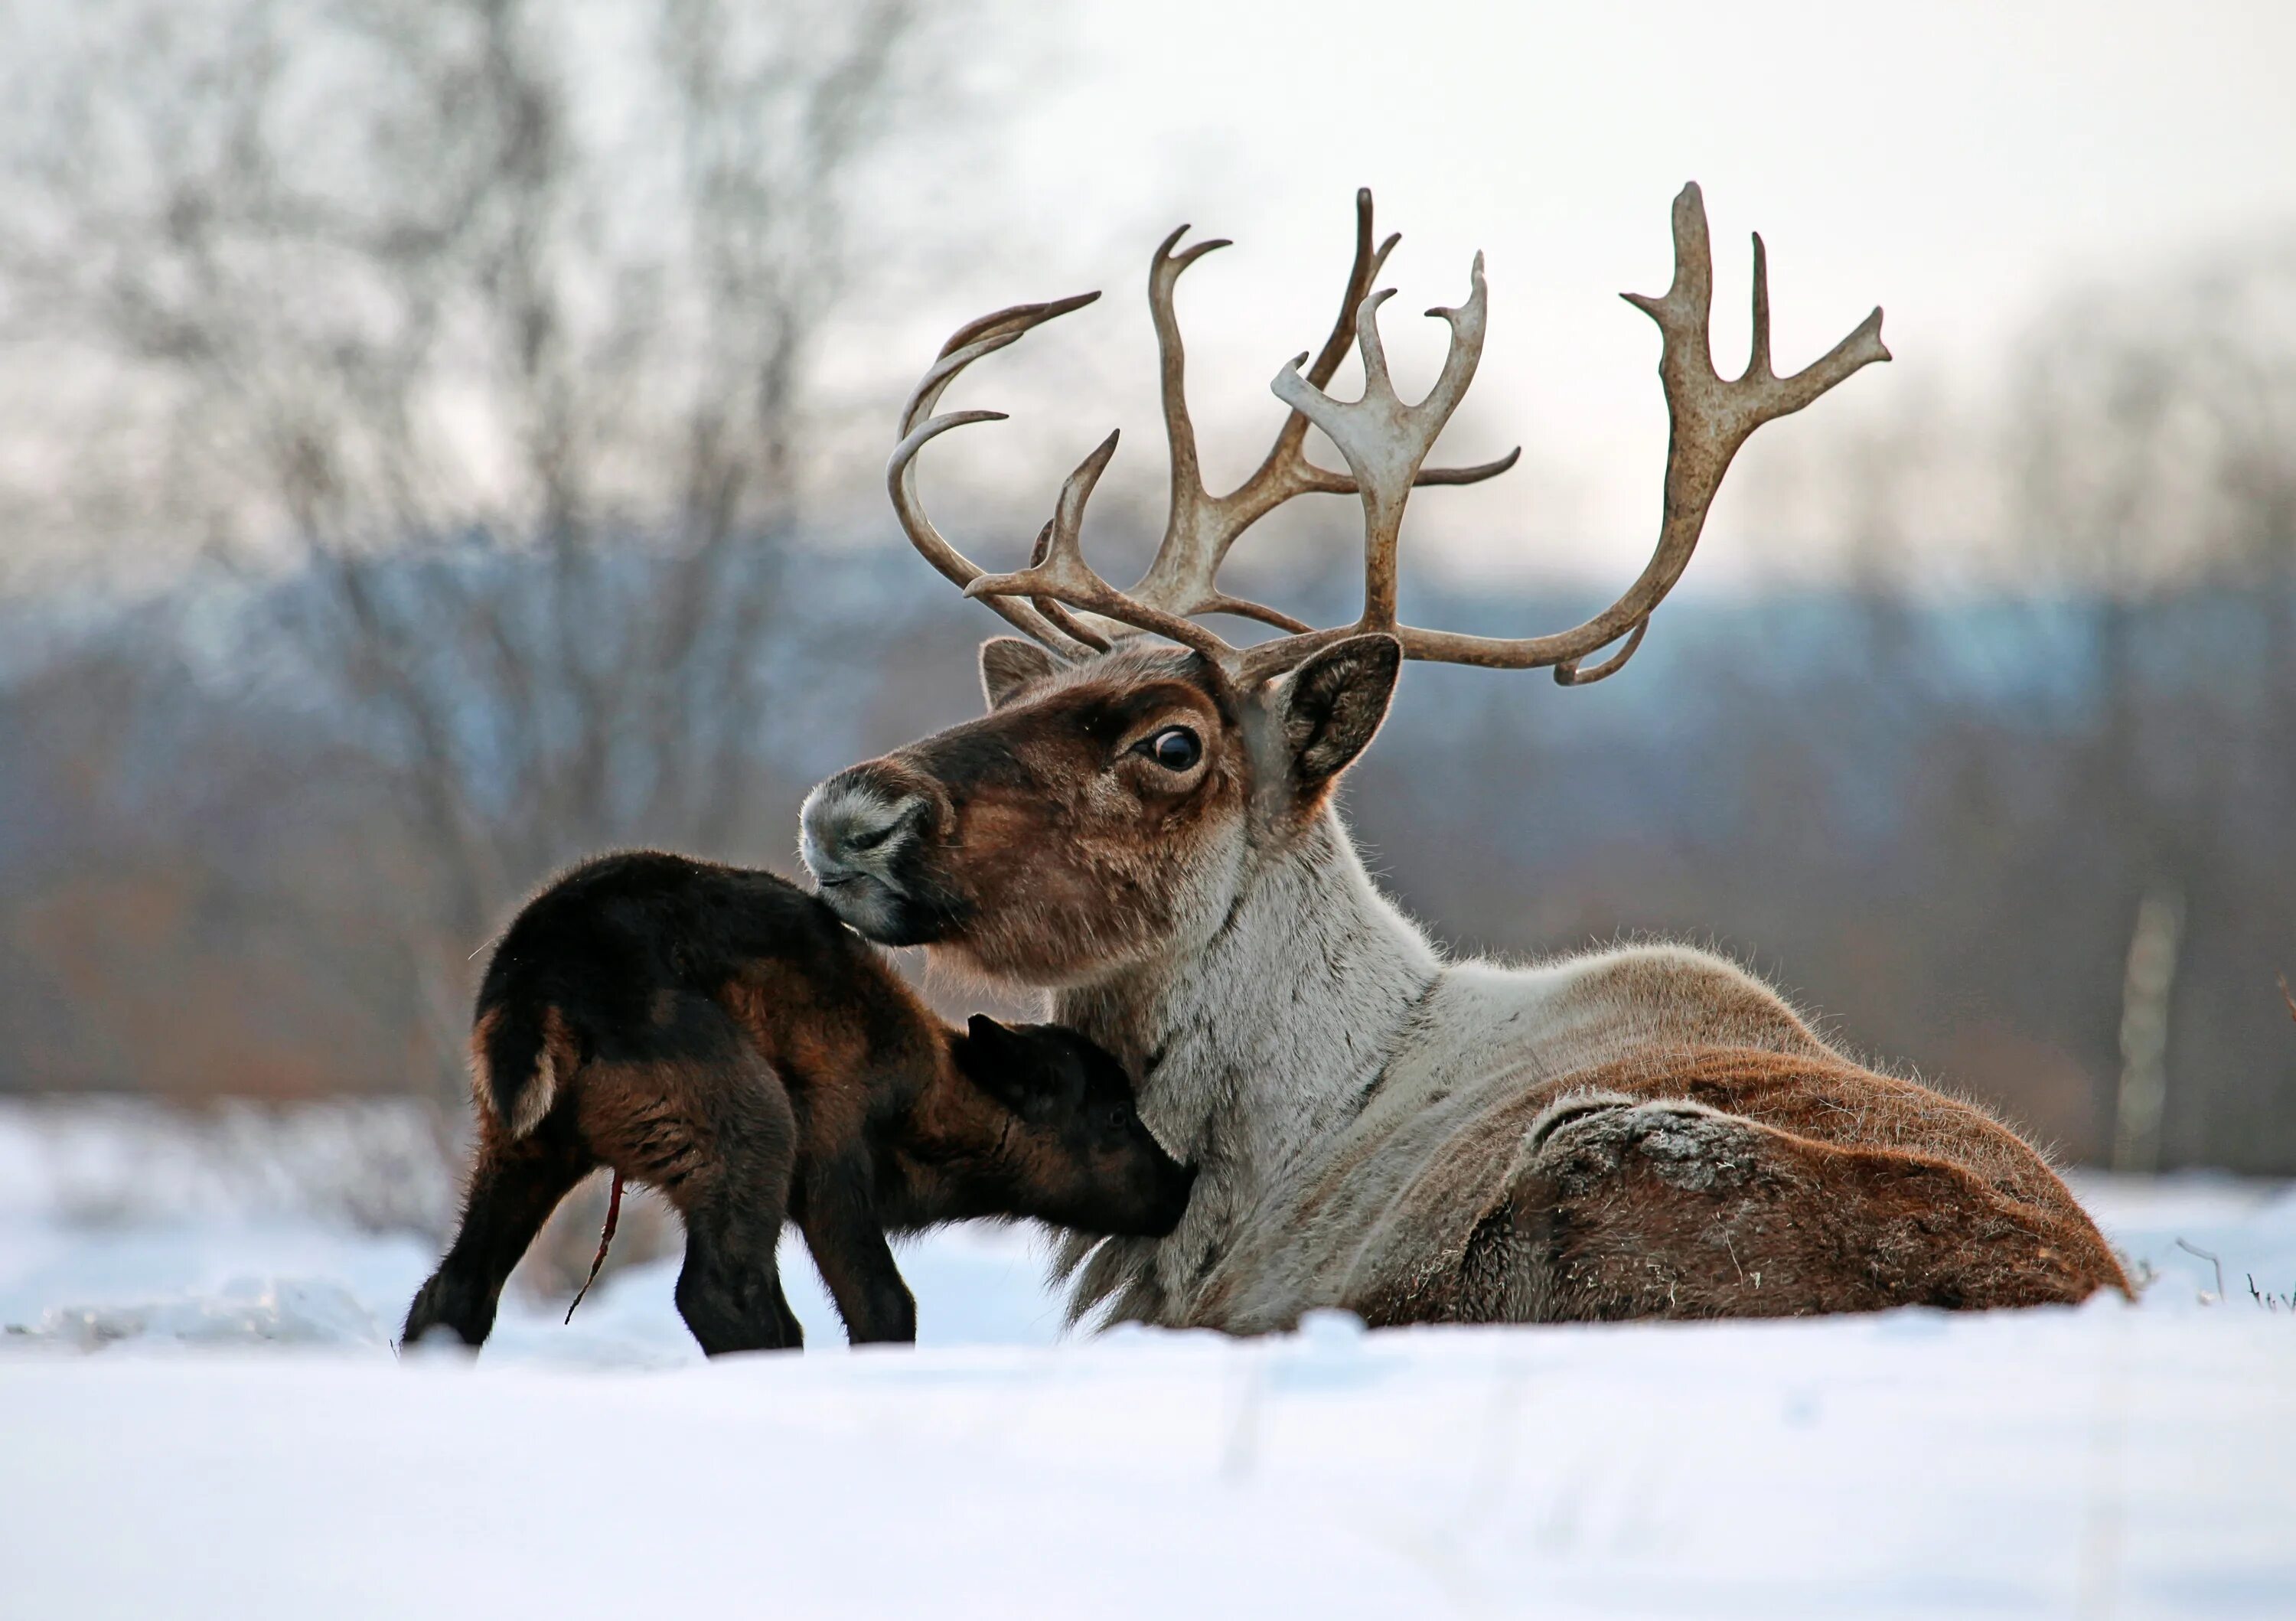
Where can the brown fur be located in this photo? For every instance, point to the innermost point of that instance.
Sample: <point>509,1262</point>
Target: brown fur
<point>1641,1132</point>
<point>1050,833</point>
<point>1736,1182</point>
<point>712,1131</point>
<point>716,1035</point>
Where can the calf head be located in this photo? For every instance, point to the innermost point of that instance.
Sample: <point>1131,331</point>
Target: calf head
<point>1079,1155</point>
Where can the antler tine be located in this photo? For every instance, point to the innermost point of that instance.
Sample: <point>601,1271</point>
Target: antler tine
<point>1361,275</point>
<point>1058,574</point>
<point>1288,458</point>
<point>1181,578</point>
<point>1385,440</point>
<point>1200,527</point>
<point>1164,271</point>
<point>1708,420</point>
<point>1052,609</point>
<point>920,428</point>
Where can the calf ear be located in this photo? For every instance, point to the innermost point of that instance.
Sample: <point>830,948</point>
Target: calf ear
<point>1008,664</point>
<point>1332,706</point>
<point>996,1060</point>
<point>987,1032</point>
<point>986,1052</point>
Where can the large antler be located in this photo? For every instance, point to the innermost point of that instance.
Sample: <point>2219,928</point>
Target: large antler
<point>1385,444</point>
<point>1708,420</point>
<point>1384,440</point>
<point>1201,528</point>
<point>920,428</point>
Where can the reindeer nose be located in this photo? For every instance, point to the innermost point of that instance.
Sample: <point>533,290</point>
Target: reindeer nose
<point>857,821</point>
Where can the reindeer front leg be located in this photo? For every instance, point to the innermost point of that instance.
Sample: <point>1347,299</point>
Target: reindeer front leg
<point>838,1213</point>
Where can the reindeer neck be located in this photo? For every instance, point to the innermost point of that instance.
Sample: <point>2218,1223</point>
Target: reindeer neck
<point>1252,1046</point>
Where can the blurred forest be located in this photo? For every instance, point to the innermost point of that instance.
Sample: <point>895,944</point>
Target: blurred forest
<point>464,440</point>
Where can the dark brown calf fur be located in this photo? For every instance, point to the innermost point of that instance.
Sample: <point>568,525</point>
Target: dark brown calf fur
<point>716,1034</point>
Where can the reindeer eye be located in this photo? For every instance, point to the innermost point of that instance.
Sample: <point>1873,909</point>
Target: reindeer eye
<point>1175,748</point>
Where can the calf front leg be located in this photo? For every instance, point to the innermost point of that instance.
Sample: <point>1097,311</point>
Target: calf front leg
<point>838,1215</point>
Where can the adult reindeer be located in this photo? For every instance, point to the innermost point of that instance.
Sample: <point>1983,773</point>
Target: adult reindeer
<point>1145,827</point>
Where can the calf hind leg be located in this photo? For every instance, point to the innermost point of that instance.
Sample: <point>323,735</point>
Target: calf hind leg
<point>1625,1208</point>
<point>729,1291</point>
<point>712,1131</point>
<point>514,1186</point>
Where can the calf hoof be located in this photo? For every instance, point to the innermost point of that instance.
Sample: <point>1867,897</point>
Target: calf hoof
<point>445,1302</point>
<point>724,1321</point>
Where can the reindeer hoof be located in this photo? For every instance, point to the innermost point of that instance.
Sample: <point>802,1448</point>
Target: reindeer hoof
<point>1583,1140</point>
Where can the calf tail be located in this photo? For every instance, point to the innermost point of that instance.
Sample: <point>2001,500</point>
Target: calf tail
<point>520,1051</point>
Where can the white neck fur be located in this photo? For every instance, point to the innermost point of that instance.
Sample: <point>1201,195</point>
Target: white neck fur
<point>1253,1051</point>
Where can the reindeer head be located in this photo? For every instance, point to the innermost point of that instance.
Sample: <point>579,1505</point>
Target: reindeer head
<point>1111,806</point>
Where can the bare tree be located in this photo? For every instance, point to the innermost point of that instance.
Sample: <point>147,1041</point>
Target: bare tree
<point>2155,456</point>
<point>477,334</point>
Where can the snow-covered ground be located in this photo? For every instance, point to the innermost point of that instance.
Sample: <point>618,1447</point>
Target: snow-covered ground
<point>241,1442</point>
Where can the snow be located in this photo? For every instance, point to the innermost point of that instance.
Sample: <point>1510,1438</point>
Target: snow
<point>203,1417</point>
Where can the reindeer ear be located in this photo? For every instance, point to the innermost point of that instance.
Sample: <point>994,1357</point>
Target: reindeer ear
<point>1008,664</point>
<point>1333,704</point>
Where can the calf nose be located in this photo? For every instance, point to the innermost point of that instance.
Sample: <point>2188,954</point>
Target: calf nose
<point>857,820</point>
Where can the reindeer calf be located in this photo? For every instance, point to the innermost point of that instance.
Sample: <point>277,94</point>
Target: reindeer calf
<point>716,1034</point>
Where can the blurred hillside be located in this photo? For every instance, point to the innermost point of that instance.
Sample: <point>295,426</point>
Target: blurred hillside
<point>214,877</point>
<point>422,464</point>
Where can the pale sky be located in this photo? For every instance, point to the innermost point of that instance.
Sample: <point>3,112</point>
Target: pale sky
<point>1960,164</point>
<point>1955,163</point>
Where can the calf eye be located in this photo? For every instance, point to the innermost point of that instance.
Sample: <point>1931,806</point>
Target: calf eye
<point>1175,748</point>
